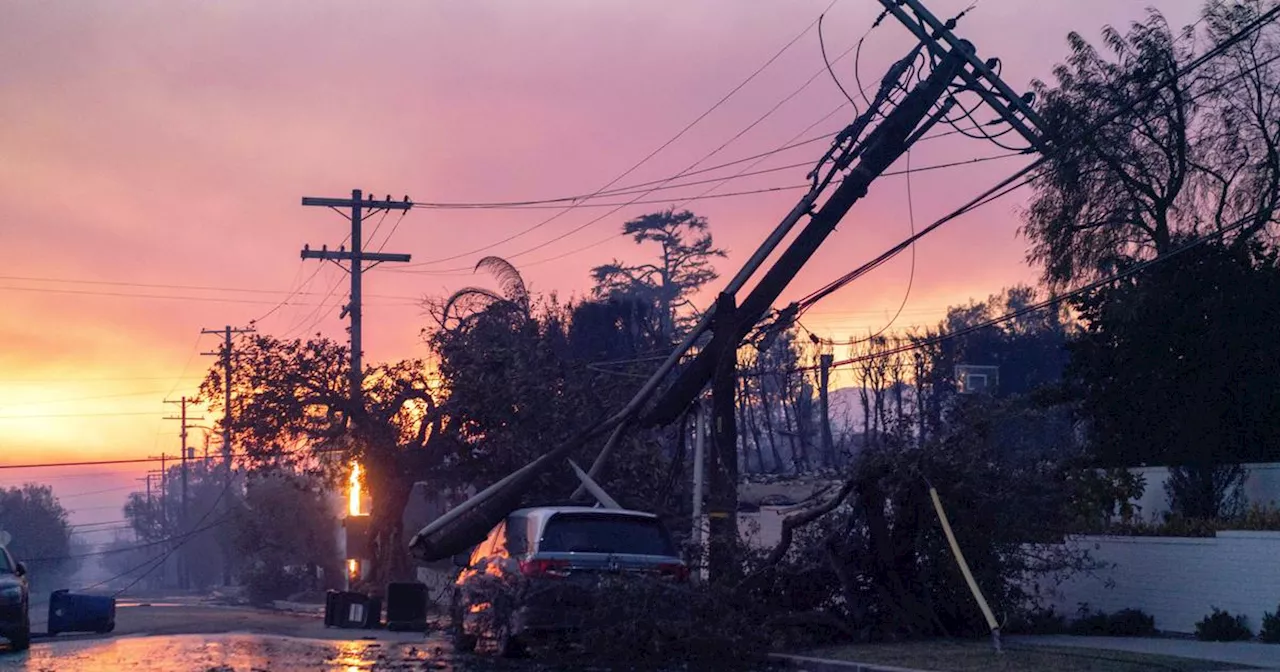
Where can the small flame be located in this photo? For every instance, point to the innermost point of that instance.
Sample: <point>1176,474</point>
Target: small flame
<point>353,494</point>
<point>353,568</point>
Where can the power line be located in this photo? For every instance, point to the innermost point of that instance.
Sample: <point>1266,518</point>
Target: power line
<point>536,205</point>
<point>911,278</point>
<point>108,379</point>
<point>708,195</point>
<point>95,492</point>
<point>136,295</point>
<point>148,285</point>
<point>44,416</point>
<point>642,161</point>
<point>141,545</point>
<point>83,464</point>
<point>47,480</point>
<point>995,191</point>
<point>138,460</point>
<point>1052,301</point>
<point>101,522</point>
<point>120,395</point>
<point>628,189</point>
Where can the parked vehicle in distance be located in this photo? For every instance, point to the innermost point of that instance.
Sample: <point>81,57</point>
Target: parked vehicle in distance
<point>15,621</point>
<point>540,571</point>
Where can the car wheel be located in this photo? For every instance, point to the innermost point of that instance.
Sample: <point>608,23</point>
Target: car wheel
<point>21,640</point>
<point>509,644</point>
<point>463,642</point>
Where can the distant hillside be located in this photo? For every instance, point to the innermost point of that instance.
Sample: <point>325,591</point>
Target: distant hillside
<point>846,409</point>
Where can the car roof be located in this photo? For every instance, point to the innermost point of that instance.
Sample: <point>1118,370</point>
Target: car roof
<point>543,513</point>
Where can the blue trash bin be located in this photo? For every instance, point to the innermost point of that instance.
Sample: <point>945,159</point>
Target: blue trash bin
<point>70,612</point>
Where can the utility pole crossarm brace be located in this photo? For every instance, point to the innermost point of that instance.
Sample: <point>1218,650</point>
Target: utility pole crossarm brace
<point>344,255</point>
<point>366,203</point>
<point>933,33</point>
<point>359,207</point>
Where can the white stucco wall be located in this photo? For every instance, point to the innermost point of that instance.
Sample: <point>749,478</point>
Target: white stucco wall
<point>1261,487</point>
<point>1179,580</point>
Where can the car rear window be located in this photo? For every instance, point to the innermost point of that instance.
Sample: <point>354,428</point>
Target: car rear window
<point>591,533</point>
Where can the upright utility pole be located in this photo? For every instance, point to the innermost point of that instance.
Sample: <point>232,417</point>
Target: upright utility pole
<point>164,489</point>
<point>225,353</point>
<point>187,454</point>
<point>699,459</point>
<point>825,360</point>
<point>360,207</point>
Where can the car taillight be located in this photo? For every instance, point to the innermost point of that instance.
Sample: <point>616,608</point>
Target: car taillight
<point>676,570</point>
<point>544,568</point>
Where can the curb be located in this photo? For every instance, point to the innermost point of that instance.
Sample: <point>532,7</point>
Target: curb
<point>809,664</point>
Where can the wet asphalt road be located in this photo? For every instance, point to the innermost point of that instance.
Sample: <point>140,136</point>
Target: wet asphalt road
<point>176,637</point>
<point>223,653</point>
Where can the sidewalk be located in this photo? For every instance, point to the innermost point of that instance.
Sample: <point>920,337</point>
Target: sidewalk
<point>1252,654</point>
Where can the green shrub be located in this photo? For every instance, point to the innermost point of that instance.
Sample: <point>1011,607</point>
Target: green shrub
<point>1257,517</point>
<point>1271,627</point>
<point>1037,621</point>
<point>1123,623</point>
<point>265,583</point>
<point>1131,623</point>
<point>1221,626</point>
<point>1089,623</point>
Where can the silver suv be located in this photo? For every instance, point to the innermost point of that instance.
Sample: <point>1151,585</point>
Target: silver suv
<point>542,569</point>
<point>15,623</point>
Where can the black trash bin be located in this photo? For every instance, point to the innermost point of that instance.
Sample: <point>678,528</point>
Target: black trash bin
<point>332,607</point>
<point>71,612</point>
<point>345,609</point>
<point>407,606</point>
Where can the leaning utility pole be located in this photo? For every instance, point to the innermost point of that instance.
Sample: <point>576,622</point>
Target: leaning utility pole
<point>859,155</point>
<point>225,353</point>
<point>906,122</point>
<point>360,207</point>
<point>723,524</point>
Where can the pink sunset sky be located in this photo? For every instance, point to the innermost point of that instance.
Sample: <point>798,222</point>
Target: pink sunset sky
<point>164,145</point>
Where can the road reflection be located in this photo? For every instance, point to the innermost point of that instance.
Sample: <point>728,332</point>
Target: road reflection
<point>225,653</point>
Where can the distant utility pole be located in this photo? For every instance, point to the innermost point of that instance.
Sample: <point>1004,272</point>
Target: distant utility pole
<point>825,360</point>
<point>164,489</point>
<point>187,452</point>
<point>225,353</point>
<point>360,207</point>
<point>186,455</point>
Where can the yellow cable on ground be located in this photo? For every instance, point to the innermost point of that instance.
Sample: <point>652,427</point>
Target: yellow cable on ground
<point>964,568</point>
